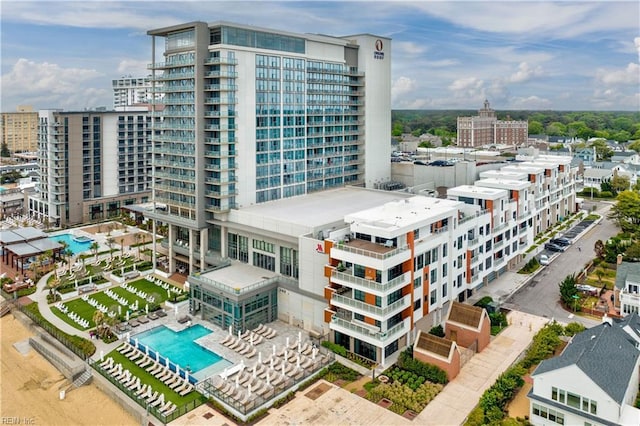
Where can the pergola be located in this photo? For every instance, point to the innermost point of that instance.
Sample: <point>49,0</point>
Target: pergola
<point>19,244</point>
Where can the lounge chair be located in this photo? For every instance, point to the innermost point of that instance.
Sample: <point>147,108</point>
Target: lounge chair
<point>260,329</point>
<point>126,383</point>
<point>176,384</point>
<point>142,390</point>
<point>170,410</point>
<point>143,320</point>
<point>144,361</point>
<point>106,363</point>
<point>165,406</point>
<point>293,345</point>
<point>152,397</point>
<point>226,339</point>
<point>252,353</point>
<point>246,398</point>
<point>135,384</point>
<point>158,401</point>
<point>134,356</point>
<point>271,334</point>
<point>134,323</point>
<point>124,346</point>
<point>163,375</point>
<point>172,379</point>
<point>156,369</point>
<point>152,316</point>
<point>161,313</point>
<point>244,350</point>
<point>236,344</point>
<point>186,391</point>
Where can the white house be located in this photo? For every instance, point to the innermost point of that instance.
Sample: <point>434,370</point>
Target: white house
<point>594,381</point>
<point>628,287</point>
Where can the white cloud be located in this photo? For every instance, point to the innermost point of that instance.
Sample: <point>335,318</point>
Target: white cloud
<point>133,67</point>
<point>626,76</point>
<point>530,102</point>
<point>401,86</point>
<point>409,48</point>
<point>525,72</point>
<point>50,85</point>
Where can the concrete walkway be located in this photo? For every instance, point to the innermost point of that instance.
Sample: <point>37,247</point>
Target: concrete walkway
<point>460,396</point>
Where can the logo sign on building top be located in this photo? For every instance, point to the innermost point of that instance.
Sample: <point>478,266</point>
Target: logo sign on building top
<point>378,54</point>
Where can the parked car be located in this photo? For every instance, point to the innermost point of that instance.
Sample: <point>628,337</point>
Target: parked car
<point>543,260</point>
<point>421,163</point>
<point>560,241</point>
<point>553,247</point>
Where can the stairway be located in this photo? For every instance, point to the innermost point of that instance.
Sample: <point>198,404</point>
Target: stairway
<point>83,379</point>
<point>5,307</point>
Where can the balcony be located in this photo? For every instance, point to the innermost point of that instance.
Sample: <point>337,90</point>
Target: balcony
<point>369,249</point>
<point>381,289</point>
<point>220,60</point>
<point>376,312</point>
<point>367,333</point>
<point>171,64</point>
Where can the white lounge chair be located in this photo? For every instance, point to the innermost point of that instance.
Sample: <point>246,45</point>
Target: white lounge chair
<point>170,410</point>
<point>142,390</point>
<point>186,391</point>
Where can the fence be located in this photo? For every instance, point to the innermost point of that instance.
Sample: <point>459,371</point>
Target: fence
<point>181,410</point>
<point>59,335</point>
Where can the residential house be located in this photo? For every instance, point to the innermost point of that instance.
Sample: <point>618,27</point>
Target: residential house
<point>628,287</point>
<point>594,381</point>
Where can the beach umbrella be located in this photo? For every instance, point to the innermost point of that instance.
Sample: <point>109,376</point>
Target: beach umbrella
<point>249,389</point>
<point>286,354</point>
<point>251,339</point>
<point>298,362</point>
<point>283,366</point>
<point>237,381</point>
<point>274,349</point>
<point>254,370</point>
<point>299,346</point>
<point>260,357</point>
<point>157,357</point>
<point>230,331</point>
<point>271,363</point>
<point>146,308</point>
<point>136,342</point>
<point>101,355</point>
<point>239,334</point>
<point>119,309</point>
<point>268,378</point>
<point>168,294</point>
<point>287,344</point>
<point>127,317</point>
<point>146,350</point>
<point>178,370</point>
<point>299,337</point>
<point>167,361</point>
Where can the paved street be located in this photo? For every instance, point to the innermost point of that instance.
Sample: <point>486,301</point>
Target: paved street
<point>538,295</point>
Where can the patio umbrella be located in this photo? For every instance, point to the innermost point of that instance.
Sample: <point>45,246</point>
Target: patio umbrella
<point>283,366</point>
<point>274,349</point>
<point>136,342</point>
<point>146,350</point>
<point>299,337</point>
<point>157,357</point>
<point>237,381</point>
<point>286,354</point>
<point>176,310</point>
<point>146,308</point>
<point>268,378</point>
<point>239,334</point>
<point>119,309</point>
<point>167,361</point>
<point>230,331</point>
<point>287,344</point>
<point>260,357</point>
<point>178,370</point>
<point>127,315</point>
<point>251,339</point>
<point>299,346</point>
<point>249,389</point>
<point>313,356</point>
<point>272,363</point>
<point>298,362</point>
<point>101,355</point>
<point>254,370</point>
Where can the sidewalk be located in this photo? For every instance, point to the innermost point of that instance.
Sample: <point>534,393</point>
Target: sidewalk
<point>461,395</point>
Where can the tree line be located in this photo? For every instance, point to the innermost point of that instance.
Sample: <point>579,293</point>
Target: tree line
<point>621,126</point>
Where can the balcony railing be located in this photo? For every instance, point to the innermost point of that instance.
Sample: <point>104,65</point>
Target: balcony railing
<point>369,253</point>
<point>372,309</point>
<point>383,336</point>
<point>389,286</point>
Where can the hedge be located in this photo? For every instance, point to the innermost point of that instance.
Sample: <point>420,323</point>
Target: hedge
<point>430,372</point>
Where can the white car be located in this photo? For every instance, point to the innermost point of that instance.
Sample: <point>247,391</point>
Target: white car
<point>544,259</point>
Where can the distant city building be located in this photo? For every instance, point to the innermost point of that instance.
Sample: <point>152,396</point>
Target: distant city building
<point>128,91</point>
<point>486,129</point>
<point>20,129</point>
<point>91,164</point>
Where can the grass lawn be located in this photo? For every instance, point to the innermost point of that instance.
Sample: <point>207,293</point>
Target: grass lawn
<point>81,308</point>
<point>106,300</point>
<point>152,288</point>
<point>146,378</point>
<point>131,298</point>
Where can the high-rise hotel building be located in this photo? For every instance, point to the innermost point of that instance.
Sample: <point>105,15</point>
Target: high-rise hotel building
<point>251,115</point>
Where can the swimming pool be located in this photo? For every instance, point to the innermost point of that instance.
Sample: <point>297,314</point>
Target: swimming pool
<point>180,347</point>
<point>75,246</point>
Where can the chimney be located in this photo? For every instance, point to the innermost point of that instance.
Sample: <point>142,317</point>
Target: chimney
<point>619,259</point>
<point>606,318</point>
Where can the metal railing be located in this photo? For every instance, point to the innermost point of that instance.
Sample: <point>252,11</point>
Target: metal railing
<point>390,285</point>
<point>369,253</point>
<point>378,335</point>
<point>372,309</point>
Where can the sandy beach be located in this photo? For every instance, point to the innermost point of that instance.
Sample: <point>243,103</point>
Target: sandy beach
<point>30,389</point>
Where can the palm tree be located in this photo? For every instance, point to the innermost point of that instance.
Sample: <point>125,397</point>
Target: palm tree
<point>121,246</point>
<point>98,319</point>
<point>600,273</point>
<point>64,250</point>
<point>94,248</point>
<point>110,243</point>
<point>137,237</point>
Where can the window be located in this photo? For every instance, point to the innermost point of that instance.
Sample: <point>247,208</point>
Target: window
<point>548,413</point>
<point>417,283</point>
<point>433,297</point>
<point>358,295</point>
<point>434,276</point>
<point>444,250</point>
<point>444,270</point>
<point>417,304</point>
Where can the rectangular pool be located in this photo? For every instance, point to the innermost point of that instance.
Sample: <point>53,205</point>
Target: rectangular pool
<point>180,347</point>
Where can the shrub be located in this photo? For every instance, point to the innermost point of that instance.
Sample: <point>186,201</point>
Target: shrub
<point>573,328</point>
<point>437,331</point>
<point>334,347</point>
<point>343,372</point>
<point>484,302</point>
<point>428,371</point>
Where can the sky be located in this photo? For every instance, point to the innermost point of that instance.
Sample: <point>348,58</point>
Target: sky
<point>545,55</point>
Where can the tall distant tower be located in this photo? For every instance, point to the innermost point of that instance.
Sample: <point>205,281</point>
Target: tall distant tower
<point>486,129</point>
<point>128,91</point>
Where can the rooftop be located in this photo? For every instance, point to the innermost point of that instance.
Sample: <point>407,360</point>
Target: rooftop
<point>238,276</point>
<point>503,183</point>
<point>477,192</point>
<point>464,314</point>
<point>434,344</point>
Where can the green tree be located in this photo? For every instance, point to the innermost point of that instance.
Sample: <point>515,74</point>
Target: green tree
<point>98,319</point>
<point>556,129</point>
<point>632,253</point>
<point>4,150</point>
<point>619,183</point>
<point>603,152</point>
<point>626,211</point>
<point>535,127</point>
<point>598,247</point>
<point>600,273</point>
<point>94,248</point>
<point>635,145</point>
<point>568,290</point>
<point>397,129</point>
<point>110,242</point>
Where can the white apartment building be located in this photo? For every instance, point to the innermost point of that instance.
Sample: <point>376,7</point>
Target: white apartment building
<point>130,91</point>
<point>91,163</point>
<point>251,115</point>
<point>628,287</point>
